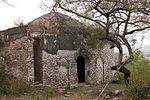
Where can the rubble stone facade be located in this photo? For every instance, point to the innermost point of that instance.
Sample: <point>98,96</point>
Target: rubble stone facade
<point>37,53</point>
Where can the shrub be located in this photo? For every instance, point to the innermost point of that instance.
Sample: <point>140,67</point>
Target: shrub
<point>18,87</point>
<point>139,81</point>
<point>4,81</point>
<point>48,93</point>
<point>119,76</point>
<point>3,74</point>
<point>10,85</point>
<point>1,41</point>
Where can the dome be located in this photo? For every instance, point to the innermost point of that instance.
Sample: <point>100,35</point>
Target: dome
<point>56,23</point>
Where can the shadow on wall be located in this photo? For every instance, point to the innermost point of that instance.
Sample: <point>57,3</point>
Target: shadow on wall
<point>38,69</point>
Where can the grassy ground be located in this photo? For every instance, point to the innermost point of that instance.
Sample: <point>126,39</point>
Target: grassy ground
<point>82,92</point>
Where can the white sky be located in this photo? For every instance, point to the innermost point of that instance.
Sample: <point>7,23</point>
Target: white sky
<point>28,10</point>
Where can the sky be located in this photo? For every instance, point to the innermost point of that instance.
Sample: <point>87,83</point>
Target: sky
<point>28,10</point>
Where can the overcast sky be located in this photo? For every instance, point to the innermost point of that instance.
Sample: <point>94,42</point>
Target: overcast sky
<point>28,10</point>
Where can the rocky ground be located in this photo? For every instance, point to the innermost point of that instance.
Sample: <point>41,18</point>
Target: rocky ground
<point>82,92</point>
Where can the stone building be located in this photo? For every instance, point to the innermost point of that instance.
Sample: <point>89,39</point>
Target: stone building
<point>53,50</point>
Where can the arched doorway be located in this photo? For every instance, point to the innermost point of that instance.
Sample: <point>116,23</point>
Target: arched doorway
<point>81,69</point>
<point>38,69</point>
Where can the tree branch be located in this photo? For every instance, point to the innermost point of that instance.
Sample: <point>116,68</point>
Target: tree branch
<point>5,1</point>
<point>68,10</point>
<point>118,45</point>
<point>127,45</point>
<point>137,30</point>
<point>126,23</point>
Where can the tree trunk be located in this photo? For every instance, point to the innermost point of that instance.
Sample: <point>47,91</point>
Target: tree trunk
<point>124,70</point>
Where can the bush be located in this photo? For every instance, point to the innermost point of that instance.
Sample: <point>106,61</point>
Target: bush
<point>3,74</point>
<point>119,76</point>
<point>139,81</point>
<point>18,87</point>
<point>4,81</point>
<point>1,41</point>
<point>48,93</point>
<point>10,85</point>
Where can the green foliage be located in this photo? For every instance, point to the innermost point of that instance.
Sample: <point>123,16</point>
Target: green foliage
<point>18,87</point>
<point>19,22</point>
<point>139,81</point>
<point>48,93</point>
<point>119,76</point>
<point>4,81</point>
<point>135,57</point>
<point>34,95</point>
<point>1,41</point>
<point>3,74</point>
<point>96,35</point>
<point>9,85</point>
<point>92,42</point>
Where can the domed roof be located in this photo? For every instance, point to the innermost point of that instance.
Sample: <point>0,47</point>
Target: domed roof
<point>56,23</point>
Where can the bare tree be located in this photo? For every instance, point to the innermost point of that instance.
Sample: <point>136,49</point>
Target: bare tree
<point>118,18</point>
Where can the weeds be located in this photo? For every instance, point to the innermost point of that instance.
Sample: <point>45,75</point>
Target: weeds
<point>9,85</point>
<point>139,81</point>
<point>18,87</point>
<point>48,93</point>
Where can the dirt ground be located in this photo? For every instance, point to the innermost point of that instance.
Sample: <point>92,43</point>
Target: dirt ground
<point>82,92</point>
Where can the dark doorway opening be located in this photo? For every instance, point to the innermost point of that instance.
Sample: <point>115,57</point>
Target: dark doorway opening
<point>81,69</point>
<point>38,69</point>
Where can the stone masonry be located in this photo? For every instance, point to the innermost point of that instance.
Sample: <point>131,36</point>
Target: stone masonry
<point>47,49</point>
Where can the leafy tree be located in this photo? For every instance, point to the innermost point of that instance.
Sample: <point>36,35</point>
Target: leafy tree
<point>118,18</point>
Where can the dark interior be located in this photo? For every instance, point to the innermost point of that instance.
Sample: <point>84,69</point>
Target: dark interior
<point>38,69</point>
<point>81,69</point>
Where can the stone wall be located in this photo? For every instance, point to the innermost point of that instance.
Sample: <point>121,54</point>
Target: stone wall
<point>15,57</point>
<point>51,43</point>
<point>30,61</point>
<point>12,34</point>
<point>59,55</point>
<point>60,70</point>
<point>101,61</point>
<point>60,66</point>
<point>107,56</point>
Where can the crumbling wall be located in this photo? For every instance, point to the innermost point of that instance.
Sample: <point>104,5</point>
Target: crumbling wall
<point>12,34</point>
<point>59,54</point>
<point>107,56</point>
<point>14,51</point>
<point>15,57</point>
<point>57,67</point>
<point>52,43</point>
<point>60,70</point>
<point>59,58</point>
<point>101,62</point>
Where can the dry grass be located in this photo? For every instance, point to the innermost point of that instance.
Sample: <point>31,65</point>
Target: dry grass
<point>83,92</point>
